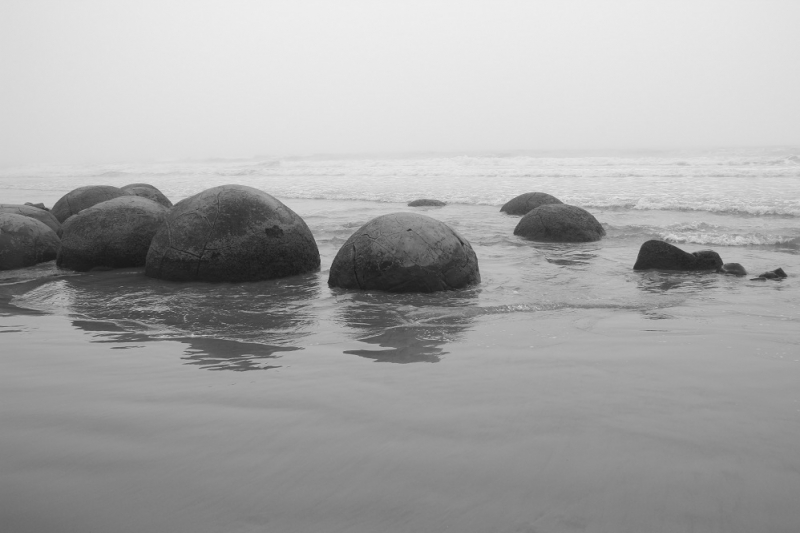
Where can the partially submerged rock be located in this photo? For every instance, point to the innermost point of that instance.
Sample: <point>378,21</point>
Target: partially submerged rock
<point>231,233</point>
<point>38,205</point>
<point>660,255</point>
<point>405,252</point>
<point>112,234</point>
<point>734,269</point>
<point>79,199</point>
<point>778,273</point>
<point>147,191</point>
<point>426,202</point>
<point>32,211</point>
<point>24,241</point>
<point>559,223</point>
<point>524,203</point>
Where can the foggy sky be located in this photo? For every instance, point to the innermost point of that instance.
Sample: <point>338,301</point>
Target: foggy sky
<point>110,80</point>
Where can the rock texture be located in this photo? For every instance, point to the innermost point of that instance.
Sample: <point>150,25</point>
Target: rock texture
<point>147,191</point>
<point>524,203</point>
<point>42,215</point>
<point>76,201</point>
<point>405,252</point>
<point>426,202</point>
<point>112,234</point>
<point>664,256</point>
<point>25,241</point>
<point>734,269</point>
<point>231,233</point>
<point>559,223</point>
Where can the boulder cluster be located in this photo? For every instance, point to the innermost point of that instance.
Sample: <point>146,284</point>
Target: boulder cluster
<point>236,233</point>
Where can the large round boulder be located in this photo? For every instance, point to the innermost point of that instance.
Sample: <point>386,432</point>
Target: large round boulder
<point>147,191</point>
<point>405,252</point>
<point>112,234</point>
<point>79,199</point>
<point>25,241</point>
<point>231,233</point>
<point>661,255</point>
<point>559,223</point>
<point>525,203</point>
<point>46,217</point>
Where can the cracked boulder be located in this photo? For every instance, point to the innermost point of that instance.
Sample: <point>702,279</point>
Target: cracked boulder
<point>112,234</point>
<point>32,211</point>
<point>231,233</point>
<point>559,223</point>
<point>405,252</point>
<point>24,241</point>
<point>79,199</point>
<point>527,202</point>
<point>147,191</point>
<point>661,255</point>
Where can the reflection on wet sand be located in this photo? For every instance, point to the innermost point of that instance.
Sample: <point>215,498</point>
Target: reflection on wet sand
<point>227,326</point>
<point>409,329</point>
<point>681,282</point>
<point>568,254</point>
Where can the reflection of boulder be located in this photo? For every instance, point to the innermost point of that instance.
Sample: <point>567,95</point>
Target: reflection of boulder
<point>231,326</point>
<point>147,191</point>
<point>405,335</point>
<point>522,204</point>
<point>559,223</point>
<point>405,252</point>
<point>25,241</point>
<point>46,217</point>
<point>79,199</point>
<point>426,202</point>
<point>231,233</point>
<point>660,255</point>
<point>111,234</point>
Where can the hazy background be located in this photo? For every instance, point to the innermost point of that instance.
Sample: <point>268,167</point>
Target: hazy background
<point>86,81</point>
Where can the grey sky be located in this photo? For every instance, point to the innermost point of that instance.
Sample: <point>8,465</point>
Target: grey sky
<point>108,80</point>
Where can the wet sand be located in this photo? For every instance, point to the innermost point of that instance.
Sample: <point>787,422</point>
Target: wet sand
<point>572,420</point>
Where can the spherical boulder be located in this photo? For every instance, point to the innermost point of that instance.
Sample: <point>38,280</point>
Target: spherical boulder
<point>405,252</point>
<point>426,202</point>
<point>559,223</point>
<point>46,217</point>
<point>79,199</point>
<point>25,241</point>
<point>734,269</point>
<point>147,191</point>
<point>524,203</point>
<point>112,234</point>
<point>231,233</point>
<point>660,255</point>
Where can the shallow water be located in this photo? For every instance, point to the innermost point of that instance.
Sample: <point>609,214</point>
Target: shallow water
<point>566,392</point>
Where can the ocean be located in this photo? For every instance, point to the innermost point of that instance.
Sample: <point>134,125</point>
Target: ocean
<point>565,392</point>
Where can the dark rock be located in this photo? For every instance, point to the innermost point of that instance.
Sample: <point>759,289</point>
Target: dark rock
<point>147,191</point>
<point>664,256</point>
<point>76,201</point>
<point>734,269</point>
<point>24,241</point>
<point>559,223</point>
<point>32,211</point>
<point>778,273</point>
<point>405,252</point>
<point>112,234</point>
<point>524,203</point>
<point>426,202</point>
<point>38,206</point>
<point>231,233</point>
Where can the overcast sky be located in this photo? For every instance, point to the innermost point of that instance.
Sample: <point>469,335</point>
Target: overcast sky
<point>108,80</point>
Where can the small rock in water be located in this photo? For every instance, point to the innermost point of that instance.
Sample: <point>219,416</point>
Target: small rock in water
<point>524,203</point>
<point>38,206</point>
<point>559,223</point>
<point>661,255</point>
<point>426,202</point>
<point>778,273</point>
<point>734,269</point>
